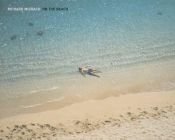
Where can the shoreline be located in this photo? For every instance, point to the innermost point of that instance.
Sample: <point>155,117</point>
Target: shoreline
<point>90,116</point>
<point>151,77</point>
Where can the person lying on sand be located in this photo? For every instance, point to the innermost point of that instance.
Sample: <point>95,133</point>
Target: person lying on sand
<point>89,70</point>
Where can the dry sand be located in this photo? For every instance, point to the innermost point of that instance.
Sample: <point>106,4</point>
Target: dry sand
<point>148,116</point>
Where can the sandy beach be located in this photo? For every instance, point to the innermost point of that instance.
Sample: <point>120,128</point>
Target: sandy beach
<point>149,115</point>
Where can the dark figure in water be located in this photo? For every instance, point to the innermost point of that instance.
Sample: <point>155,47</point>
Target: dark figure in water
<point>40,33</point>
<point>88,70</point>
<point>30,24</point>
<point>13,37</point>
<point>159,13</point>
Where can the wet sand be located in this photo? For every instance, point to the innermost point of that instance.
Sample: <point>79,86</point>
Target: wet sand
<point>148,115</point>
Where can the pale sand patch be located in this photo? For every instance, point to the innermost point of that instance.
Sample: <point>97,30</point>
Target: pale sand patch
<point>100,119</point>
<point>160,128</point>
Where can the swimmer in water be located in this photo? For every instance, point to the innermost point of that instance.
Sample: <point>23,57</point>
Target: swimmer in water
<point>88,70</point>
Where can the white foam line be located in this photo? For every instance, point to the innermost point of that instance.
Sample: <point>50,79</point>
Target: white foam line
<point>56,100</point>
<point>31,106</point>
<point>35,105</point>
<point>41,90</point>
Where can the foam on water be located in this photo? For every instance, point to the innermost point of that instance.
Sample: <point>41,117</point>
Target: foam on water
<point>56,100</point>
<point>30,106</point>
<point>44,90</point>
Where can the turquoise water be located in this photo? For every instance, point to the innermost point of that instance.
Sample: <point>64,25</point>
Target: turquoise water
<point>39,50</point>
